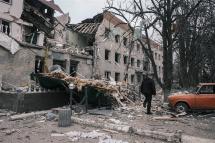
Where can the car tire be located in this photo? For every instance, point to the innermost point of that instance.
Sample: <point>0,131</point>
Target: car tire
<point>181,107</point>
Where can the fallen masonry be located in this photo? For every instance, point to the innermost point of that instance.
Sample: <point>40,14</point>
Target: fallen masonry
<point>114,127</point>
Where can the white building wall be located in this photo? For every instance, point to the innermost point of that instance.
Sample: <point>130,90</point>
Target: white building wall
<point>110,44</point>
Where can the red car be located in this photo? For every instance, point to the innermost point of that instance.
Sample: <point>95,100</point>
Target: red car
<point>202,98</point>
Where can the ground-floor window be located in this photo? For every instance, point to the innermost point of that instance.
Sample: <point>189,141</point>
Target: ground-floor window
<point>61,63</point>
<point>73,68</point>
<point>39,64</point>
<point>107,75</point>
<point>132,78</point>
<point>117,76</point>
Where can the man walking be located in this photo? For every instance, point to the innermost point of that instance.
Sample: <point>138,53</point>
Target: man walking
<point>148,89</point>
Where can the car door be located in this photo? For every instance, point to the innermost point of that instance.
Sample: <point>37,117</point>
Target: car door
<point>205,99</point>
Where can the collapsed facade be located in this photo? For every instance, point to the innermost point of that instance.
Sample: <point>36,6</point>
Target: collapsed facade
<point>29,39</point>
<point>116,54</point>
<point>32,40</point>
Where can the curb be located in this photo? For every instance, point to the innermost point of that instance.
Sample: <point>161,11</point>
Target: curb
<point>169,137</point>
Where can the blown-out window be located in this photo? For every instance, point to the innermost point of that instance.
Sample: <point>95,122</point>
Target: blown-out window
<point>5,26</point>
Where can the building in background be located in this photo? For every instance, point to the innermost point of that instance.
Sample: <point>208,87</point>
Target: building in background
<point>30,39</point>
<point>116,54</point>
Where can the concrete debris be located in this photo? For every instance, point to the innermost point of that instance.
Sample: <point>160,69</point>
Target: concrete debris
<point>27,115</point>
<point>50,116</point>
<point>57,135</point>
<point>101,85</point>
<point>75,136</point>
<point>9,132</point>
<point>170,137</point>
<point>92,123</point>
<point>116,121</point>
<point>167,118</point>
<point>181,114</point>
<point>111,141</point>
<point>3,114</point>
<point>108,113</point>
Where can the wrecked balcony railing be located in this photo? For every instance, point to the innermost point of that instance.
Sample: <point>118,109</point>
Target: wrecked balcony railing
<point>4,28</point>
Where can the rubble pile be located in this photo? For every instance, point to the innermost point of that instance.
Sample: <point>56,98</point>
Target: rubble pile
<point>117,91</point>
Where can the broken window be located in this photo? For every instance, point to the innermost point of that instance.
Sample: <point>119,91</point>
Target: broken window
<point>107,32</point>
<point>125,40</point>
<point>138,63</point>
<point>107,54</point>
<point>125,59</point>
<point>138,47</point>
<point>139,78</point>
<point>60,63</point>
<point>132,61</point>
<point>146,65</point>
<point>39,64</point>
<point>117,76</point>
<point>7,1</point>
<point>30,35</point>
<point>132,78</point>
<point>155,56</point>
<point>107,75</point>
<point>117,38</point>
<point>117,57</point>
<point>126,77</point>
<point>5,27</point>
<point>73,68</point>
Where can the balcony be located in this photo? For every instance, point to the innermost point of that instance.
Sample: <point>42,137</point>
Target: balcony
<point>5,27</point>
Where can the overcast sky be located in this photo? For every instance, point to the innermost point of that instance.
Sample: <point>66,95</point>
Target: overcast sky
<point>81,9</point>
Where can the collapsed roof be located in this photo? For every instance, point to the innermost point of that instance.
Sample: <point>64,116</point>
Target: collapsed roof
<point>52,5</point>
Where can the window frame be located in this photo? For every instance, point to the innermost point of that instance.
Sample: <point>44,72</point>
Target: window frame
<point>125,59</point>
<point>132,62</point>
<point>107,75</point>
<point>138,63</point>
<point>200,93</point>
<point>125,41</point>
<point>117,38</point>
<point>10,2</point>
<point>1,30</point>
<point>117,57</point>
<point>108,52</point>
<point>117,74</point>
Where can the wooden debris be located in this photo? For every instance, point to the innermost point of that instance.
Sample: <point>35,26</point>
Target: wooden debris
<point>100,85</point>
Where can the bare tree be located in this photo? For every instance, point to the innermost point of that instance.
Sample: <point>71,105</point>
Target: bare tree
<point>161,16</point>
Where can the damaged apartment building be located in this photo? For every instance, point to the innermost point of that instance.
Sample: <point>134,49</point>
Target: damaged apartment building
<point>32,40</point>
<point>115,54</point>
<point>30,37</point>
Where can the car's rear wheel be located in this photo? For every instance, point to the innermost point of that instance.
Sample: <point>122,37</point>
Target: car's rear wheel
<point>181,107</point>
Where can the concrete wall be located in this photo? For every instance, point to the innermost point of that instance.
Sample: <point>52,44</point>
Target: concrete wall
<point>27,102</point>
<point>12,12</point>
<point>76,40</point>
<point>84,62</point>
<point>158,57</point>
<point>15,69</point>
<point>110,44</point>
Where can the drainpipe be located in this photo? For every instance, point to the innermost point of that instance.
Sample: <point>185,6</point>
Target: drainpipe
<point>94,59</point>
<point>0,82</point>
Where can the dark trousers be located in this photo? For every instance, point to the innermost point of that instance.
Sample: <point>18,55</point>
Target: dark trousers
<point>148,100</point>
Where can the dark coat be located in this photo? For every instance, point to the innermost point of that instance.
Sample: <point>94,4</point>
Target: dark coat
<point>148,87</point>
